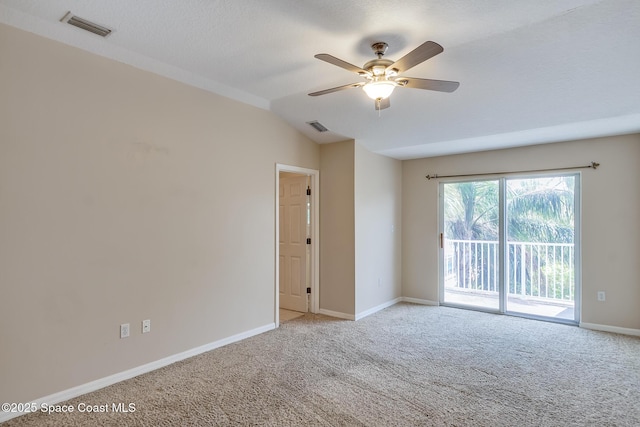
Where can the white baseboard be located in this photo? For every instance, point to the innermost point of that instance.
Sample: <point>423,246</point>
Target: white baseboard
<point>337,314</point>
<point>377,308</point>
<point>71,393</point>
<point>420,301</point>
<point>614,329</point>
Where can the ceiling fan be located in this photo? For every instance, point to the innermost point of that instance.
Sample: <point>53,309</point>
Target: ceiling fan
<point>382,75</point>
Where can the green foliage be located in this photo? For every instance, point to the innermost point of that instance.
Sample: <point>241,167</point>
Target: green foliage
<point>472,210</point>
<point>538,210</point>
<point>541,210</point>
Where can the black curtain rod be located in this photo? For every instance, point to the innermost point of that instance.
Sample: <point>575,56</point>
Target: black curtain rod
<point>593,165</point>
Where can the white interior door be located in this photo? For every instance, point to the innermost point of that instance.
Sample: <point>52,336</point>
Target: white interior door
<point>293,243</point>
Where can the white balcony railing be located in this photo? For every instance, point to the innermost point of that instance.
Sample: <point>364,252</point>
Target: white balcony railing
<point>534,270</point>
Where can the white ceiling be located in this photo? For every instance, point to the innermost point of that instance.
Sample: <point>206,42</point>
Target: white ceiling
<point>529,71</point>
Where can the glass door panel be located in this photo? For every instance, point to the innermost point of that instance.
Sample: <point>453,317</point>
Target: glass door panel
<point>470,241</point>
<point>540,246</point>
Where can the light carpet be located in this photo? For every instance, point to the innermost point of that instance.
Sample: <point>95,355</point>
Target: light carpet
<point>407,365</point>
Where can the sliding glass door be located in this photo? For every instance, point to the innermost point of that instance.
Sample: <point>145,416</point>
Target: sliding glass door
<point>540,241</point>
<point>510,245</point>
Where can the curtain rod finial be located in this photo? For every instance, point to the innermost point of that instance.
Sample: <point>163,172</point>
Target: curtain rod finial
<point>429,177</point>
<point>595,165</point>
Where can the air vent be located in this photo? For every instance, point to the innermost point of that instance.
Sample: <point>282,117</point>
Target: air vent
<point>76,21</point>
<point>317,126</point>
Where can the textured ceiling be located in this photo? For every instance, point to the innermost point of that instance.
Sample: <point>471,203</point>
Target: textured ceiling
<point>530,72</point>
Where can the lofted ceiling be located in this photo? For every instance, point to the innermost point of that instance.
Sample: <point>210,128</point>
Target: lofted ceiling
<point>530,72</point>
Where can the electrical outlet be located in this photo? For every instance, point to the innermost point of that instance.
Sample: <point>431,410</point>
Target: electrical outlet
<point>601,296</point>
<point>146,326</point>
<point>124,330</point>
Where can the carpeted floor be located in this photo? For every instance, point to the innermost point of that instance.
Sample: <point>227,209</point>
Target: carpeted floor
<point>408,365</point>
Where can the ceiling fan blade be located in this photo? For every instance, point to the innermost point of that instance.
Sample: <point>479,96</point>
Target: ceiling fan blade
<point>428,84</point>
<point>336,89</point>
<point>340,63</point>
<point>382,104</point>
<point>420,54</point>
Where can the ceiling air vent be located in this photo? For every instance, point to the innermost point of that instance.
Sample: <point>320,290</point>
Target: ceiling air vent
<point>317,126</point>
<point>76,21</point>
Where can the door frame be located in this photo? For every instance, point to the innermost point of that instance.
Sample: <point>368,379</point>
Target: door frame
<point>314,176</point>
<point>577,226</point>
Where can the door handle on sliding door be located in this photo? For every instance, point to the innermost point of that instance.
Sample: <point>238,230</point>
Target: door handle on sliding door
<point>441,240</point>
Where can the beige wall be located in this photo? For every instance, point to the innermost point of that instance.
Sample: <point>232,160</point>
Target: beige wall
<point>378,231</point>
<point>610,218</point>
<point>116,205</point>
<point>337,228</point>
<point>360,229</point>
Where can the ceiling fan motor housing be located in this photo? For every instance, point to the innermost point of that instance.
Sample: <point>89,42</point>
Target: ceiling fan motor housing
<point>378,67</point>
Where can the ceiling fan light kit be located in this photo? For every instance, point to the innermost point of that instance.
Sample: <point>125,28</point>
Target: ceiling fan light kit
<point>382,75</point>
<point>379,89</point>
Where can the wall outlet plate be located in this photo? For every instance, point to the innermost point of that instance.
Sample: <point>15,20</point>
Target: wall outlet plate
<point>601,296</point>
<point>146,326</point>
<point>124,330</point>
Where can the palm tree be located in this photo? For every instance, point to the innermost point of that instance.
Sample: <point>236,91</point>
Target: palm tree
<point>541,209</point>
<point>472,210</point>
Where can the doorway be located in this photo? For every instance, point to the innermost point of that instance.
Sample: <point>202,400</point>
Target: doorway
<point>510,245</point>
<point>297,246</point>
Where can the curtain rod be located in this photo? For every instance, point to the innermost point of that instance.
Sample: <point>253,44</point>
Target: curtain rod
<point>593,165</point>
